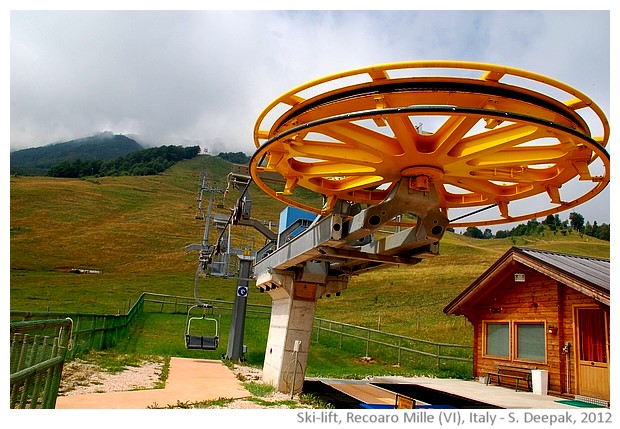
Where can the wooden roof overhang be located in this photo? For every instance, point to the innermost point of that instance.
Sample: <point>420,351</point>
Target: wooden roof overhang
<point>485,282</point>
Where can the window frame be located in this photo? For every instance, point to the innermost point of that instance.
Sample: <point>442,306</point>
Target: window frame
<point>543,325</point>
<point>485,338</point>
<point>513,340</point>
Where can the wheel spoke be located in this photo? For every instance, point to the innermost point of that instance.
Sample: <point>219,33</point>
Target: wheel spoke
<point>451,133</point>
<point>494,141</point>
<point>362,138</point>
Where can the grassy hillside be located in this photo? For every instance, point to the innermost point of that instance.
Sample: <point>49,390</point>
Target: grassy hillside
<point>134,230</point>
<point>410,300</point>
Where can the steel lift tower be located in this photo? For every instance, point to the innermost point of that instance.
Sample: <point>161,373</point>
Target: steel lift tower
<point>413,141</point>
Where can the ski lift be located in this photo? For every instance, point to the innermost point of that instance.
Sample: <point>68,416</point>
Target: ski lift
<point>201,342</point>
<point>220,205</point>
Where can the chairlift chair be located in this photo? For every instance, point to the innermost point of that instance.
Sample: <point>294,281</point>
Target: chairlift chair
<point>201,342</point>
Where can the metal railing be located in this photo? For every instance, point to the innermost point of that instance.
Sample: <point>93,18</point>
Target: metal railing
<point>36,363</point>
<point>90,331</point>
<point>397,349</point>
<point>38,352</point>
<point>180,304</point>
<point>102,331</point>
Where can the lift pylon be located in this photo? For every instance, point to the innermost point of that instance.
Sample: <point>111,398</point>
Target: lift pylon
<point>418,139</point>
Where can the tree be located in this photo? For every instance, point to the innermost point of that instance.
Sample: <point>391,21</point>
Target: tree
<point>604,232</point>
<point>599,231</point>
<point>138,163</point>
<point>502,234</point>
<point>552,222</point>
<point>473,232</point>
<point>577,222</point>
<point>235,157</point>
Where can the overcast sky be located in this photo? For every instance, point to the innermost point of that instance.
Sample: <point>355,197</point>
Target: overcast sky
<point>203,77</point>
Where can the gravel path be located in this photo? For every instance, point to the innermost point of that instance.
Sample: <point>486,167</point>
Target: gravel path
<point>80,377</point>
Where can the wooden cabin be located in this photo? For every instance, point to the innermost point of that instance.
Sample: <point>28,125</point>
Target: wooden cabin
<point>542,310</point>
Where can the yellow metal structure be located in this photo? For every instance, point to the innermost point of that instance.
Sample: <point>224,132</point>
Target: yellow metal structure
<point>480,134</point>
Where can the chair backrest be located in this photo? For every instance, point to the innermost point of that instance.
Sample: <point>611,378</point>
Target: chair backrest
<point>201,343</point>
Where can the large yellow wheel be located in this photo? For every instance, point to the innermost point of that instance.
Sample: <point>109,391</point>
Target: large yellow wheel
<point>481,134</point>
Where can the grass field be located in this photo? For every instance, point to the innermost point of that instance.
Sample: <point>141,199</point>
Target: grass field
<point>134,231</point>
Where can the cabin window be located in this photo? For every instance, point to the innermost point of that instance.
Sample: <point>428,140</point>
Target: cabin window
<point>530,341</point>
<point>497,339</point>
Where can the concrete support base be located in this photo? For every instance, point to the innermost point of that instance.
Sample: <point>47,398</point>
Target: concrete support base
<point>285,363</point>
<point>292,319</point>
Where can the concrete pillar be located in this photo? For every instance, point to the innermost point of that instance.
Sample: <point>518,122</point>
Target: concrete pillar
<point>292,319</point>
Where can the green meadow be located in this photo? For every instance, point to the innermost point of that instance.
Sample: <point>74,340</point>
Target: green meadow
<point>133,231</point>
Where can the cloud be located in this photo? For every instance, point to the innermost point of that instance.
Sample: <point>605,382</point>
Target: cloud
<point>203,77</point>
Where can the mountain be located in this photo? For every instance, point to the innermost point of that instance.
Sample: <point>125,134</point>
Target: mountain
<point>103,146</point>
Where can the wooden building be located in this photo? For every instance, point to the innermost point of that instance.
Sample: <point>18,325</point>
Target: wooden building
<point>543,310</point>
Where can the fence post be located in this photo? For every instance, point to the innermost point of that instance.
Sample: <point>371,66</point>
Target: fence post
<point>367,343</point>
<point>400,342</point>
<point>91,337</point>
<point>438,355</point>
<point>104,332</point>
<point>340,339</point>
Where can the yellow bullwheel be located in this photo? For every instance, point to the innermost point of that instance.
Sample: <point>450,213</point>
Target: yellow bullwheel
<point>480,135</point>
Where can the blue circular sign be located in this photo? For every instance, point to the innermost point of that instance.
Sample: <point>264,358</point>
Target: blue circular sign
<point>242,291</point>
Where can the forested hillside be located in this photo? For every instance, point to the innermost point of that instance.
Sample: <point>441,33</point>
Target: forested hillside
<point>103,146</point>
<point>139,163</point>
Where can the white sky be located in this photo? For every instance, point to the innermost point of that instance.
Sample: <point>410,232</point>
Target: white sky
<point>202,77</point>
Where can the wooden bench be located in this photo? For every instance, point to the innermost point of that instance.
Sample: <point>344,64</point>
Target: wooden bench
<point>518,374</point>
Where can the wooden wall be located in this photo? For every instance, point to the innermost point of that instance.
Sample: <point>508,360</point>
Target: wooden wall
<point>538,299</point>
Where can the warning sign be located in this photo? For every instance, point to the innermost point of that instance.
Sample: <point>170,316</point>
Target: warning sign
<point>404,402</point>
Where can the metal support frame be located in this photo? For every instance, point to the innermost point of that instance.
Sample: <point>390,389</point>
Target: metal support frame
<point>342,241</point>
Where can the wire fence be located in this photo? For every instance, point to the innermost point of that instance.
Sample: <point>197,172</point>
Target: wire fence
<point>392,348</point>
<point>103,331</point>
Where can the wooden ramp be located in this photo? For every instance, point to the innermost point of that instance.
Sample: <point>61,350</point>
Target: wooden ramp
<point>364,392</point>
